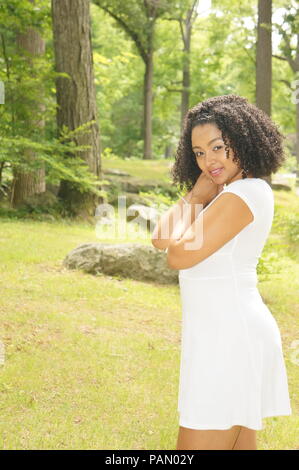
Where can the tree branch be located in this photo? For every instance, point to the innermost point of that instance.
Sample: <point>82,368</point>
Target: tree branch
<point>287,49</point>
<point>194,12</point>
<point>279,57</point>
<point>286,83</point>
<point>182,32</point>
<point>127,29</point>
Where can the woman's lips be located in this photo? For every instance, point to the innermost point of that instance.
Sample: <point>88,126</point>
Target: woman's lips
<point>216,172</point>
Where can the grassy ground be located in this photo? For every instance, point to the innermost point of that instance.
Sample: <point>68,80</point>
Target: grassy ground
<point>92,362</point>
<point>145,169</point>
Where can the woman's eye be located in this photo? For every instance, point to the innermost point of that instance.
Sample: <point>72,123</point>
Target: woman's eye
<point>199,154</point>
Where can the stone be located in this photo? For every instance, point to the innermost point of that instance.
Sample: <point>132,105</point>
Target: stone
<point>129,260</point>
<point>280,187</point>
<point>114,171</point>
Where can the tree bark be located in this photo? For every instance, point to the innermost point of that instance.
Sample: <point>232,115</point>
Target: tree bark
<point>25,184</point>
<point>143,38</point>
<point>76,97</point>
<point>297,147</point>
<point>293,61</point>
<point>148,106</point>
<point>295,67</point>
<point>186,69</point>
<point>264,59</point>
<point>186,25</point>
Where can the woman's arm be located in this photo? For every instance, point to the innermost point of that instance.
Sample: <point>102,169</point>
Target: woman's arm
<point>176,220</point>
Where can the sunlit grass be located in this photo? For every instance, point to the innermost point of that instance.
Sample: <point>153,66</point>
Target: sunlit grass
<point>144,169</point>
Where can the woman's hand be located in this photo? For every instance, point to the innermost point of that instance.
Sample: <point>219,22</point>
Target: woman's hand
<point>205,189</point>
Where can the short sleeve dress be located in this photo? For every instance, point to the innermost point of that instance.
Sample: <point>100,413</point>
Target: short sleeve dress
<point>232,369</point>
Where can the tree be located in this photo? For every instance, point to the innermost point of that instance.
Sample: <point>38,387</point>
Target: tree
<point>138,18</point>
<point>263,81</point>
<point>264,56</point>
<point>289,46</point>
<point>186,16</point>
<point>30,45</point>
<point>186,24</point>
<point>75,93</point>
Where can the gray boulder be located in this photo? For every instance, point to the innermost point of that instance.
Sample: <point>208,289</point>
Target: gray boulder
<point>115,171</point>
<point>280,187</point>
<point>132,260</point>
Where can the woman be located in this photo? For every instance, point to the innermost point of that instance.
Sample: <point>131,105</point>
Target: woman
<point>232,371</point>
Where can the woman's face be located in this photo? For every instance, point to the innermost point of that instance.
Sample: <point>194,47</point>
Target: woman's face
<point>209,150</point>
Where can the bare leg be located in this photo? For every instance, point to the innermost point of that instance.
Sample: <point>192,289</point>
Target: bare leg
<point>198,439</point>
<point>246,440</point>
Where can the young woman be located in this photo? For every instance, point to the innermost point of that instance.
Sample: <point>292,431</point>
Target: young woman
<point>232,371</point>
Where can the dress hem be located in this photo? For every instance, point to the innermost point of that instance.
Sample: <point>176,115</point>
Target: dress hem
<point>238,423</point>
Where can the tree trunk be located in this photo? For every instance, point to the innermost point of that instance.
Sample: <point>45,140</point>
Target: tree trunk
<point>264,59</point>
<point>297,147</point>
<point>26,184</point>
<point>76,97</point>
<point>148,105</point>
<point>169,151</point>
<point>186,69</point>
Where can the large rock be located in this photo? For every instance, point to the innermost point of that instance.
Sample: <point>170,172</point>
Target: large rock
<point>133,260</point>
<point>280,186</point>
<point>115,171</point>
<point>134,185</point>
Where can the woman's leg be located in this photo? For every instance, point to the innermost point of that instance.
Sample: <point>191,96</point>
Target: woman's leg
<point>197,439</point>
<point>246,440</point>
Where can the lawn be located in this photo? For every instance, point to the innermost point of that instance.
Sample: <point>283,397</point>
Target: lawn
<point>158,169</point>
<point>92,362</point>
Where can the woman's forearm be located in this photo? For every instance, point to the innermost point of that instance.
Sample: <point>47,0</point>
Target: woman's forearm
<point>176,220</point>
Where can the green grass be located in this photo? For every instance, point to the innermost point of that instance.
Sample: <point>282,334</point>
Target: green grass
<point>158,169</point>
<point>92,362</point>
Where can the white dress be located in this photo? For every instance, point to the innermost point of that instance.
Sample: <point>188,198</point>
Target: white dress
<point>232,369</point>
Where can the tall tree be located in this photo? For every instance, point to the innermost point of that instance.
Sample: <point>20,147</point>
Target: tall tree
<point>289,46</point>
<point>30,45</point>
<point>138,19</point>
<point>186,31</point>
<point>187,12</point>
<point>75,93</point>
<point>264,58</point>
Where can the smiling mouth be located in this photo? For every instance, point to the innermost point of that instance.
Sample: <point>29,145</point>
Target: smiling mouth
<point>216,172</point>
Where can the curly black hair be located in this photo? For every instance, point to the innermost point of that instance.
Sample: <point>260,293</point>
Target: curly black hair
<point>254,138</point>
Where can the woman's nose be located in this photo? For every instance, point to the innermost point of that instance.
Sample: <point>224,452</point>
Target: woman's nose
<point>210,158</point>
